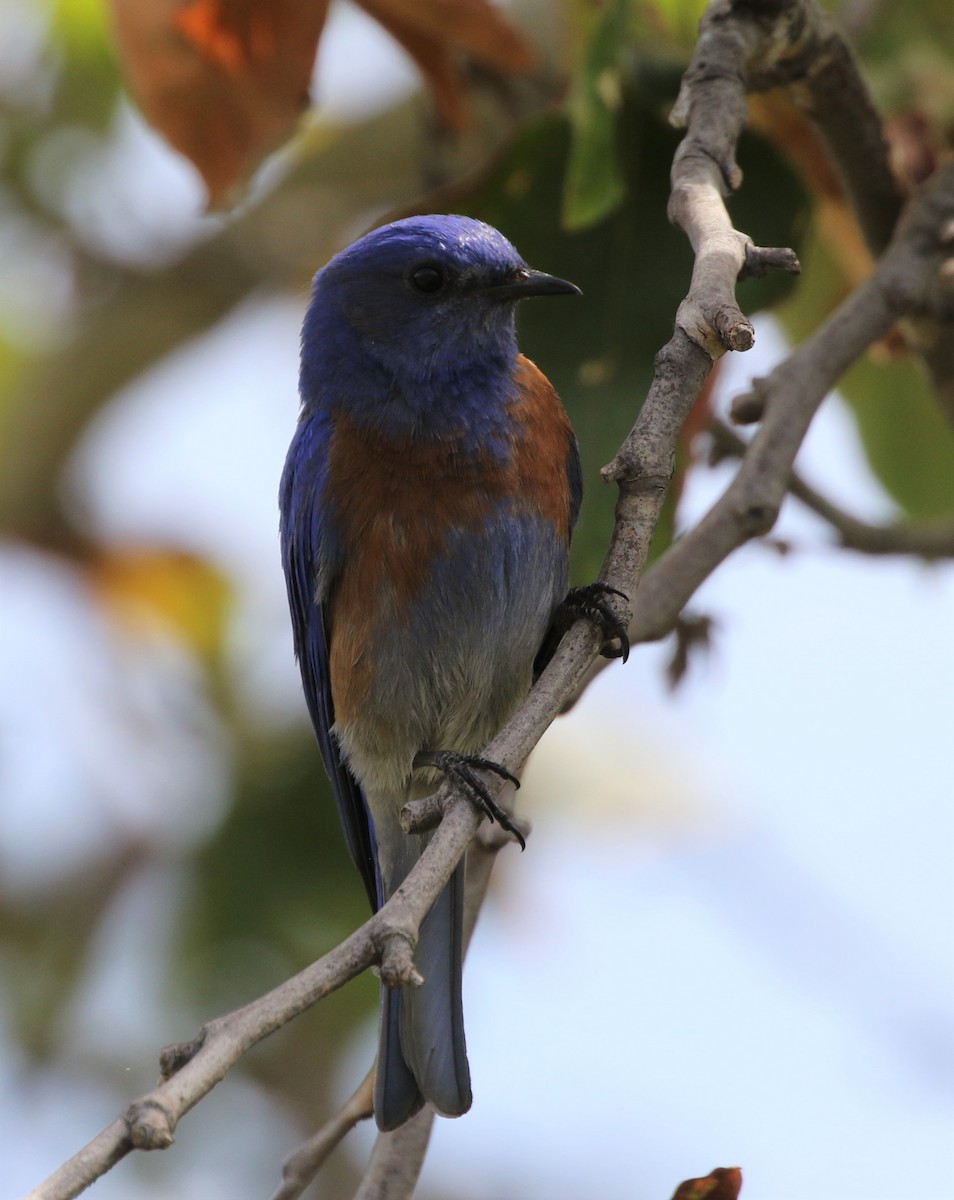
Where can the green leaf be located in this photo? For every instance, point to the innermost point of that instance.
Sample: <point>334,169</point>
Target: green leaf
<point>594,184</point>
<point>906,439</point>
<point>88,85</point>
<point>909,444</point>
<point>678,18</point>
<point>633,267</point>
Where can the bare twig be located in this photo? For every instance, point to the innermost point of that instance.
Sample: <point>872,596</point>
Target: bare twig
<point>709,322</point>
<point>301,1167</point>
<point>397,1159</point>
<point>757,45</point>
<point>711,104</point>
<point>834,93</point>
<point>927,540</point>
<point>815,60</point>
<point>398,1156</point>
<point>195,1068</point>
<point>911,277</point>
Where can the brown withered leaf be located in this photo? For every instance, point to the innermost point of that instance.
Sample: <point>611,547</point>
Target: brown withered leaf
<point>775,116</point>
<point>436,32</point>
<point>916,146</point>
<point>226,81</point>
<point>693,634</point>
<point>724,1183</point>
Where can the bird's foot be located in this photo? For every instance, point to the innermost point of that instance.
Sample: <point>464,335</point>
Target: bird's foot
<point>589,601</point>
<point>462,770</point>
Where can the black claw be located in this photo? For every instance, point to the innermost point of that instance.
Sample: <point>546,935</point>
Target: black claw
<point>462,769</point>
<point>588,602</point>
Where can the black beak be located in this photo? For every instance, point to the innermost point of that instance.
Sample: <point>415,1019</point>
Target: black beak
<point>528,282</point>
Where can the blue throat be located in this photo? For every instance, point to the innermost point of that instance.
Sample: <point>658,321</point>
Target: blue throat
<point>457,399</point>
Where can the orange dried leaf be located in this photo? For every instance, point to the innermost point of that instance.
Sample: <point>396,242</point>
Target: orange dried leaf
<point>916,146</point>
<point>473,25</point>
<point>225,81</point>
<point>775,116</point>
<point>435,32</point>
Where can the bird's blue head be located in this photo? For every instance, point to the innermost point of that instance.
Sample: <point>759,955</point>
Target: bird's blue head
<point>421,303</point>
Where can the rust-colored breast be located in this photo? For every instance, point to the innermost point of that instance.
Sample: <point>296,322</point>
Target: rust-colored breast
<point>542,447</point>
<point>397,502</point>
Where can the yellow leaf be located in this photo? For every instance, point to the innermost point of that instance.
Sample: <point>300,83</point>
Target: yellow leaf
<point>147,588</point>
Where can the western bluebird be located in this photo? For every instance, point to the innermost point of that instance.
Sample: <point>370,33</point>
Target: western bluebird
<point>427,504</point>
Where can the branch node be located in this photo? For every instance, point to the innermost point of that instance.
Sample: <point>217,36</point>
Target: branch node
<point>710,317</point>
<point>397,967</point>
<point>758,517</point>
<point>692,632</point>
<point>150,1125</point>
<point>174,1057</point>
<point>759,260</point>
<point>620,470</point>
<point>739,335</point>
<point>421,816</point>
<point>628,471</point>
<point>748,408</point>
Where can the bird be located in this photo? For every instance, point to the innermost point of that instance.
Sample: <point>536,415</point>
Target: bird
<point>426,508</point>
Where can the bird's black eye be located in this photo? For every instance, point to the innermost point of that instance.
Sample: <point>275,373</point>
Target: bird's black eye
<point>427,279</point>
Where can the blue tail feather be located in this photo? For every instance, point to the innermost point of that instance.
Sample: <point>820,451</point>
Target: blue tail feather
<point>422,1054</point>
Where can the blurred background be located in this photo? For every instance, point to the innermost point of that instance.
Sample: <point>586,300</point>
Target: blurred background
<point>730,938</point>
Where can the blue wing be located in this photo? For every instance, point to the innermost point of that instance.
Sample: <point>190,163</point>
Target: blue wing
<point>574,476</point>
<point>308,560</point>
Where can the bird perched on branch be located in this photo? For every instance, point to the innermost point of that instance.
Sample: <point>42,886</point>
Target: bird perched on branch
<point>427,505</point>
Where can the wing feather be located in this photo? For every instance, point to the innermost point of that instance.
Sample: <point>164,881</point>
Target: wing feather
<point>309,563</point>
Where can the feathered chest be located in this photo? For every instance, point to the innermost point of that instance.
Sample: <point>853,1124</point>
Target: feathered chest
<point>397,502</point>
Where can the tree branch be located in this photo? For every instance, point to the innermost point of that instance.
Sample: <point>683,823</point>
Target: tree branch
<point>751,45</point>
<point>398,1156</point>
<point>191,1070</point>
<point>910,278</point>
<point>757,45</point>
<point>301,1167</point>
<point>396,1160</point>
<point>928,540</point>
<point>797,44</point>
